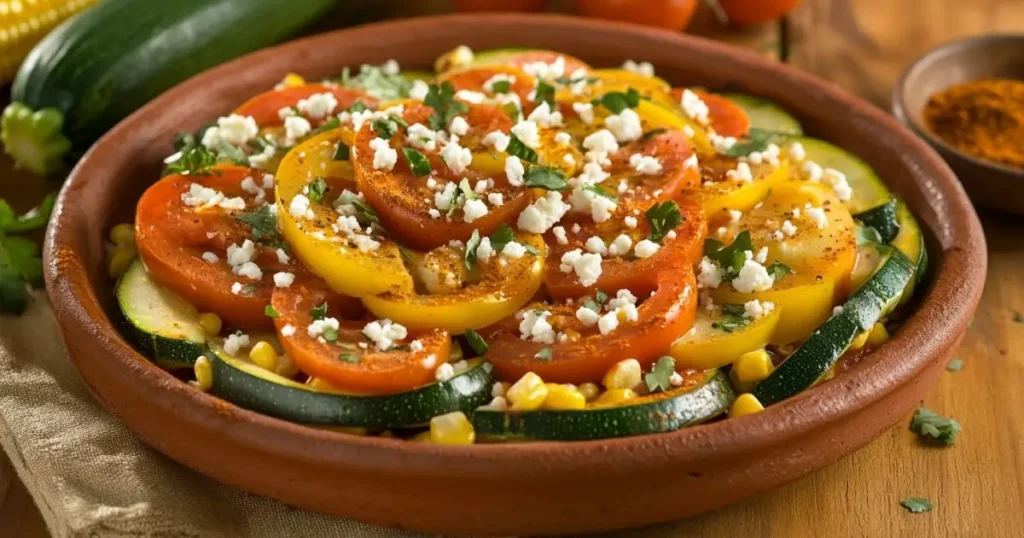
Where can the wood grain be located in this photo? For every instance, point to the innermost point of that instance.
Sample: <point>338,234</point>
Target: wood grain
<point>978,484</point>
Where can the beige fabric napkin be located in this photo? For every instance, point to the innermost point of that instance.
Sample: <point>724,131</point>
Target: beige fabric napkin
<point>91,477</point>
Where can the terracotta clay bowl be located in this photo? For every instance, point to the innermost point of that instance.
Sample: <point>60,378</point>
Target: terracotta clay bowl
<point>514,488</point>
<point>1000,55</point>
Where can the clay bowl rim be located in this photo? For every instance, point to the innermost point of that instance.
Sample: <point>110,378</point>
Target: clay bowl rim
<point>927,61</point>
<point>923,338</point>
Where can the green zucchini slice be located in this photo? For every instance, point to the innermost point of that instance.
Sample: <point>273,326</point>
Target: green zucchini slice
<point>162,324</point>
<point>869,191</point>
<point>820,352</point>
<point>659,412</point>
<point>910,241</point>
<point>247,385</point>
<point>766,115</point>
<point>883,219</point>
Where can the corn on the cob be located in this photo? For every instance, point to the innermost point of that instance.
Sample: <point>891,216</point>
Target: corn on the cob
<point>24,22</point>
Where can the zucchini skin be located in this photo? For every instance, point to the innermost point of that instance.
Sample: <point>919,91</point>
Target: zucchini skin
<point>101,65</point>
<point>882,218</point>
<point>660,414</point>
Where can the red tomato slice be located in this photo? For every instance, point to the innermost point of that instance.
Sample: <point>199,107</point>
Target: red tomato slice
<point>173,236</point>
<point>661,319</point>
<point>526,57</point>
<point>727,118</point>
<point>404,201</point>
<point>671,149</point>
<point>350,361</point>
<point>474,79</point>
<point>264,107</point>
<point>623,272</point>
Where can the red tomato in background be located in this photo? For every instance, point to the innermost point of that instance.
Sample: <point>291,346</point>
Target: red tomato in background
<point>669,14</point>
<point>499,5</point>
<point>751,12</point>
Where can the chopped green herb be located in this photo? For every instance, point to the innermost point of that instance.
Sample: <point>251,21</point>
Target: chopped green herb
<point>442,100</point>
<point>545,178</point>
<point>405,253</point>
<point>20,264</point>
<point>618,101</point>
<point>545,93</point>
<point>226,152</point>
<point>342,153</point>
<point>249,289</point>
<point>328,125</point>
<point>659,378</point>
<point>194,162</point>
<point>330,334</point>
<point>955,365</point>
<point>270,312</point>
<point>917,505</point>
<point>348,357</point>
<point>502,236</point>
<point>358,106</point>
<point>501,86</point>
<point>264,227</point>
<point>600,191</point>
<point>601,297</point>
<point>732,318</point>
<point>385,128</point>
<point>375,81</point>
<point>928,423</point>
<point>663,218</point>
<point>778,270</point>
<point>471,246</point>
<point>318,312</point>
<point>417,162</point>
<point>365,214</point>
<point>512,111</point>
<point>517,148</point>
<point>730,257</point>
<point>757,140</point>
<point>591,304</point>
<point>544,354</point>
<point>476,342</point>
<point>317,189</point>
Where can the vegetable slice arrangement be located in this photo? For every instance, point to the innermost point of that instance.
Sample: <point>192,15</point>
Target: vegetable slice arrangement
<point>519,247</point>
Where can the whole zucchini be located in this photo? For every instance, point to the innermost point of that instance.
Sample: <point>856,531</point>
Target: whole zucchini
<point>98,67</point>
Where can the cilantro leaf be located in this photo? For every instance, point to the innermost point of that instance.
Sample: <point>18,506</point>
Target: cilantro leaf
<point>928,423</point>
<point>917,505</point>
<point>264,227</point>
<point>618,101</point>
<point>659,378</point>
<point>249,289</point>
<point>729,257</point>
<point>476,342</point>
<point>501,86</point>
<point>271,312</point>
<point>545,178</point>
<point>342,153</point>
<point>601,297</point>
<point>330,334</point>
<point>358,106</point>
<point>378,82</point>
<point>417,162</point>
<point>778,270</point>
<point>31,220</point>
<point>663,218</point>
<point>348,357</point>
<point>600,191</point>
<point>732,318</point>
<point>517,148</point>
<point>328,125</point>
<point>365,214</point>
<point>318,312</point>
<point>385,128</point>
<point>502,236</point>
<point>591,304</point>
<point>195,162</point>
<point>442,100</point>
<point>545,93</point>
<point>544,354</point>
<point>955,365</point>
<point>317,189</point>
<point>512,111</point>
<point>471,246</point>
<point>757,140</point>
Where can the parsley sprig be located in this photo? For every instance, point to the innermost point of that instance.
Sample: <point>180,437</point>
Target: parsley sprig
<point>264,227</point>
<point>442,100</point>
<point>916,505</point>
<point>543,177</point>
<point>663,218</point>
<point>929,424</point>
<point>732,318</point>
<point>517,148</point>
<point>20,264</point>
<point>619,101</point>
<point>730,257</point>
<point>757,140</point>
<point>659,378</point>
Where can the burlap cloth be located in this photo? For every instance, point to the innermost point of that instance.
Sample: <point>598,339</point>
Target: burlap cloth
<point>91,477</point>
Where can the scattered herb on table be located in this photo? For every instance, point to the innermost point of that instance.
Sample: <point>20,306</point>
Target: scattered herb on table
<point>938,428</point>
<point>1017,317</point>
<point>917,505</point>
<point>955,365</point>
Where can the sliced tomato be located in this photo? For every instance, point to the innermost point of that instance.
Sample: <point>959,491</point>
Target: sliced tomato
<point>172,238</point>
<point>550,57</point>
<point>345,358</point>
<point>671,149</point>
<point>623,271</point>
<point>264,107</point>
<point>475,79</point>
<point>404,201</point>
<point>584,354</point>
<point>726,118</point>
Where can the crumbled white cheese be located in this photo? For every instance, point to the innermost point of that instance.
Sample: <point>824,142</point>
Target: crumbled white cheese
<point>299,207</point>
<point>797,151</point>
<point>608,322</point>
<point>585,111</point>
<point>756,309</point>
<point>470,96</point>
<point>640,68</point>
<point>646,248</point>
<point>563,138</point>
<point>543,213</point>
<point>496,199</point>
<point>625,125</point>
<point>384,156</point>
<point>543,116</point>
<point>813,171</point>
<point>210,257</point>
<point>419,90</point>
<point>513,250</point>
<point>741,173</point>
<point>283,280</point>
<point>546,71</point>
<point>817,216</point>
<point>444,372</point>
<point>421,137</point>
<point>318,105</point>
<point>384,333</point>
<point>710,275</point>
<point>497,139</point>
<point>535,327</point>
<point>296,127</point>
<point>235,342</point>
<point>473,209</point>
<point>484,250</point>
<point>620,245</point>
<point>601,141</point>
<point>288,330</point>
<point>645,164</point>
<point>788,229</point>
<point>559,233</point>
<point>630,222</point>
<point>586,266</point>
<point>587,316</point>
<point>500,77</point>
<point>249,270</point>
<point>514,171</point>
<point>694,107</point>
<point>752,277</point>
<point>458,126</point>
<point>596,245</point>
<point>527,131</point>
<point>837,180</point>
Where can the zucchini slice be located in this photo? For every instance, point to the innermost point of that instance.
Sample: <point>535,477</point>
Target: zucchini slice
<point>820,352</point>
<point>247,385</point>
<point>882,218</point>
<point>766,115</point>
<point>869,191</point>
<point>656,413</point>
<point>164,325</point>
<point>910,241</point>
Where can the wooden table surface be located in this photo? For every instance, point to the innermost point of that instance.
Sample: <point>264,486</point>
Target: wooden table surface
<point>977,485</point>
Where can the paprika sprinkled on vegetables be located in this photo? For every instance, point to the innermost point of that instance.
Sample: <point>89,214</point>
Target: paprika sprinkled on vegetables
<point>984,118</point>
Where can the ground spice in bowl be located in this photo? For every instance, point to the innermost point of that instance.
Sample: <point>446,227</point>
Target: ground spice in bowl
<point>984,118</point>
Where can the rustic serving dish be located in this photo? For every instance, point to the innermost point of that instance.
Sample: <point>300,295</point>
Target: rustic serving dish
<point>513,488</point>
<point>999,55</point>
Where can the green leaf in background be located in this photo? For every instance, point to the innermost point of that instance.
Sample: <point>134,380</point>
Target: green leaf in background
<point>20,264</point>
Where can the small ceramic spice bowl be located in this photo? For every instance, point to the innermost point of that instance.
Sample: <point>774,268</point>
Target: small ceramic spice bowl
<point>988,183</point>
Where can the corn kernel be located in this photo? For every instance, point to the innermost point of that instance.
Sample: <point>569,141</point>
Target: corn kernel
<point>614,397</point>
<point>878,335</point>
<point>527,394</point>
<point>563,397</point>
<point>750,369</point>
<point>123,234</point>
<point>589,391</point>
<point>745,404</point>
<point>210,323</point>
<point>203,369</point>
<point>624,375</point>
<point>859,340</point>
<point>422,437</point>
<point>292,80</point>
<point>264,355</point>
<point>452,429</point>
<point>120,259</point>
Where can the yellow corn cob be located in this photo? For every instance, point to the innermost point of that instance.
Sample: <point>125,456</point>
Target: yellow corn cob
<point>23,23</point>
